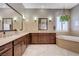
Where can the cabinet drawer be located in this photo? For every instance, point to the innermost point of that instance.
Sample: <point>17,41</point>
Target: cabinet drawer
<point>8,45</point>
<point>7,53</point>
<point>5,48</point>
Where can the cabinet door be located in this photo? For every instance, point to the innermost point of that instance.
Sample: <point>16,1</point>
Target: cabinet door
<point>7,53</point>
<point>23,46</point>
<point>18,49</point>
<point>27,39</point>
<point>43,38</point>
<point>35,38</point>
<point>52,38</point>
<point>20,46</point>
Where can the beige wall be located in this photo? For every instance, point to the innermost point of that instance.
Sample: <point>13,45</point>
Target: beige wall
<point>18,23</point>
<point>32,26</point>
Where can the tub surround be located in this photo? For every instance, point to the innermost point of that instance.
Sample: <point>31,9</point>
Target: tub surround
<point>68,42</point>
<point>68,37</point>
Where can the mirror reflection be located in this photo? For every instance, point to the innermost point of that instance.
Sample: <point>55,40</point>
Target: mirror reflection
<point>9,19</point>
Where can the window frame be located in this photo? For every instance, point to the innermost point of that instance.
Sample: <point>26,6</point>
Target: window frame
<point>3,24</point>
<point>61,26</point>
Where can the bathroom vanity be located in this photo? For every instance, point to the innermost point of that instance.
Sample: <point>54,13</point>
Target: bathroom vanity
<point>15,45</point>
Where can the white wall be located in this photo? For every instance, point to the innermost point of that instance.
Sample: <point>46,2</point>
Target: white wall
<point>75,20</point>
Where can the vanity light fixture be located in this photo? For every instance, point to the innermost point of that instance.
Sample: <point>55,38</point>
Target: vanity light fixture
<point>50,19</point>
<point>15,18</point>
<point>24,17</point>
<point>35,19</point>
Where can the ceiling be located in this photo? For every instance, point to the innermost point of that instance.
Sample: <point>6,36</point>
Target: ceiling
<point>49,5</point>
<point>40,5</point>
<point>22,7</point>
<point>2,5</point>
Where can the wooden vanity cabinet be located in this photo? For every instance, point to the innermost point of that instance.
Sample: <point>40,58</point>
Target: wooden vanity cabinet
<point>24,45</point>
<point>6,50</point>
<point>19,46</point>
<point>43,38</point>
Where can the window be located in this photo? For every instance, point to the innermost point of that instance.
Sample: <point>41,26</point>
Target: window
<point>60,26</point>
<point>7,24</point>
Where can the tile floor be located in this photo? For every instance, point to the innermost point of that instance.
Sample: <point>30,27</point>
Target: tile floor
<point>47,50</point>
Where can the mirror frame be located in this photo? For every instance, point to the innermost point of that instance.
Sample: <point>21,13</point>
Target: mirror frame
<point>39,23</point>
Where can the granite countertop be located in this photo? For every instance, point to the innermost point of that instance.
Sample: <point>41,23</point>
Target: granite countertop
<point>68,37</point>
<point>5,40</point>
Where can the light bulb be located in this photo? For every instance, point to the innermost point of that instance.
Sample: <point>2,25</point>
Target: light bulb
<point>50,18</point>
<point>35,18</point>
<point>15,18</point>
<point>24,17</point>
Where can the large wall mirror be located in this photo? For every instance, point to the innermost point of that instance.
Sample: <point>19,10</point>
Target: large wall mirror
<point>9,19</point>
